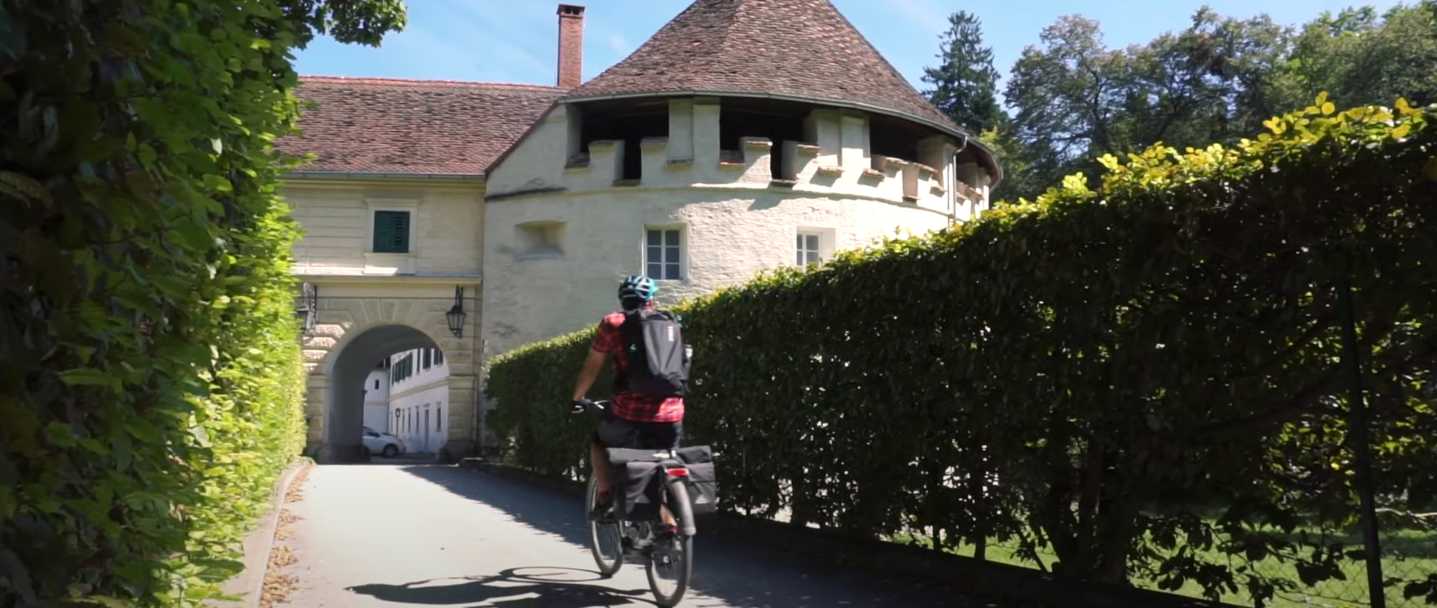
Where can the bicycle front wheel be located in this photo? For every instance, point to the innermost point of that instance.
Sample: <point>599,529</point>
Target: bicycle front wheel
<point>671,560</point>
<point>605,535</point>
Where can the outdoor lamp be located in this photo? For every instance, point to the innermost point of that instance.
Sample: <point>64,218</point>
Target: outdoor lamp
<point>456,315</point>
<point>307,310</point>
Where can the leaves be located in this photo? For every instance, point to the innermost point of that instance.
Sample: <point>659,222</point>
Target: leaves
<point>1143,370</point>
<point>153,384</point>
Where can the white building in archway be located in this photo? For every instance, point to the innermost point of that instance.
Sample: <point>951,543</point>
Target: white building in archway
<point>376,398</point>
<point>744,135</point>
<point>418,398</point>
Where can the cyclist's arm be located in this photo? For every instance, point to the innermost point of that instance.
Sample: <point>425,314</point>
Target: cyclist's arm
<point>590,372</point>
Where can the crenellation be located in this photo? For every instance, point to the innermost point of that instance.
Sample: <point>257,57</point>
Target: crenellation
<point>654,159</point>
<point>757,164</point>
<point>681,130</point>
<point>800,160</point>
<point>605,166</point>
<point>821,128</point>
<point>706,138</point>
<point>854,145</point>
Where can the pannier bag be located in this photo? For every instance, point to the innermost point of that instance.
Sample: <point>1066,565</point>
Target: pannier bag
<point>638,485</point>
<point>703,480</point>
<point>634,474</point>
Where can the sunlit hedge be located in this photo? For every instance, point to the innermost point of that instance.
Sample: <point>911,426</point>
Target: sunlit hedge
<point>150,377</point>
<point>1138,374</point>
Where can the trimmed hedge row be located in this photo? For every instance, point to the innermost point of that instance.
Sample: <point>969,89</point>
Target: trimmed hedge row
<point>150,375</point>
<point>1137,375</point>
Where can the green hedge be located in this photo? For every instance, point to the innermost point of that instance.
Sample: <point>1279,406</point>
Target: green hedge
<point>150,377</point>
<point>1139,375</point>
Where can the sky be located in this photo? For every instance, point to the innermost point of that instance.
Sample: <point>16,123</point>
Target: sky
<point>515,40</point>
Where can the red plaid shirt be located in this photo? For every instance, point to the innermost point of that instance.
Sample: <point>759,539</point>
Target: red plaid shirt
<point>632,406</point>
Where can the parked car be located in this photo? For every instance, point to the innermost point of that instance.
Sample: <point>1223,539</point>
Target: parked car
<point>383,444</point>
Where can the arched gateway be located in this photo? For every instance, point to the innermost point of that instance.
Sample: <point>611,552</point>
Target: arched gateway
<point>359,326</point>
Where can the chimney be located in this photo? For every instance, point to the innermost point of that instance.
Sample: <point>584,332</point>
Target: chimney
<point>571,45</point>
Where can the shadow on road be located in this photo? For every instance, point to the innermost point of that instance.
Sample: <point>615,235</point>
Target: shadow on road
<point>541,508</point>
<point>730,574</point>
<point>532,587</point>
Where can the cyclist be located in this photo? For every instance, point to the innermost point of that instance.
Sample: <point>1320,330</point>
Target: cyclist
<point>633,420</point>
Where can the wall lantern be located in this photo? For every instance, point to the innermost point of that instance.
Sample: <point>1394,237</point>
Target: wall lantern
<point>456,315</point>
<point>307,310</point>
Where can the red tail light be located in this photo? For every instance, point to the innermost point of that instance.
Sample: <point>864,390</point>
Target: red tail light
<point>678,472</point>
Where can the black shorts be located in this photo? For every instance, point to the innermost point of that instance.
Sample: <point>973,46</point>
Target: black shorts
<point>615,432</point>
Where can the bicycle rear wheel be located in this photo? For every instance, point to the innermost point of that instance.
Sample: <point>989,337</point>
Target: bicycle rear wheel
<point>671,560</point>
<point>605,535</point>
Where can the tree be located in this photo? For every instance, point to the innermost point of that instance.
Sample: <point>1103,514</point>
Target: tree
<point>1216,80</point>
<point>965,84</point>
<point>152,384</point>
<point>1063,95</point>
<point>1360,58</point>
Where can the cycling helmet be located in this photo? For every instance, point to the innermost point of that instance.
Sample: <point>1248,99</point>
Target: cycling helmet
<point>637,290</point>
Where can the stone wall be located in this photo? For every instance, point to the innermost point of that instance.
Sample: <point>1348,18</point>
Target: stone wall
<point>729,235</point>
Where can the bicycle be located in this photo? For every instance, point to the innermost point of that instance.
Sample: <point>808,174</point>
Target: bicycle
<point>668,559</point>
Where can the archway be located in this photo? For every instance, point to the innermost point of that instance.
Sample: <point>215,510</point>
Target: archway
<point>360,323</point>
<point>344,415</point>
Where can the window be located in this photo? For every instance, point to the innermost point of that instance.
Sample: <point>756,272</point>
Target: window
<point>376,385</point>
<point>438,357</point>
<point>438,416</point>
<point>428,358</point>
<point>661,254</point>
<point>391,232</point>
<point>808,249</point>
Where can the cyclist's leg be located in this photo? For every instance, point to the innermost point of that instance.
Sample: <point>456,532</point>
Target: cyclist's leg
<point>611,432</point>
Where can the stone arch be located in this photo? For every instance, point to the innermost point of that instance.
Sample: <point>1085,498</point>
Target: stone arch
<point>350,335</point>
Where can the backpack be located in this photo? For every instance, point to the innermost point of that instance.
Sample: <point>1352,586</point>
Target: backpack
<point>657,356</point>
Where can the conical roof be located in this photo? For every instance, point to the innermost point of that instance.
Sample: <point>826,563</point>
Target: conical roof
<point>793,49</point>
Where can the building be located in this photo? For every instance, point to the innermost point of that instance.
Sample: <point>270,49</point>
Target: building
<point>744,135</point>
<point>376,398</point>
<point>419,398</point>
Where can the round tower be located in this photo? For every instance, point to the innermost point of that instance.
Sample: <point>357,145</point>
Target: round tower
<point>745,135</point>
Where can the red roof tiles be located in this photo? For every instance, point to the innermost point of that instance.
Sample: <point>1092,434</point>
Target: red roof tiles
<point>412,127</point>
<point>801,49</point>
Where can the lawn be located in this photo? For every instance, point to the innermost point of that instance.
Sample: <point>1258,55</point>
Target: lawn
<point>1407,554</point>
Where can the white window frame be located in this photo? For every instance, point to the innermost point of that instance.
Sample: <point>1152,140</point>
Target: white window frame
<point>825,236</point>
<point>803,255</point>
<point>663,229</point>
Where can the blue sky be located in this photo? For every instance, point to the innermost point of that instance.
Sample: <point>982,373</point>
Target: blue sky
<point>514,40</point>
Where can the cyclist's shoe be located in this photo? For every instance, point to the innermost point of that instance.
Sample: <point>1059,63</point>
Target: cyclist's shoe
<point>603,507</point>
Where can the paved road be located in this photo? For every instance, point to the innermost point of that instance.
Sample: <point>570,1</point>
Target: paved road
<point>422,535</point>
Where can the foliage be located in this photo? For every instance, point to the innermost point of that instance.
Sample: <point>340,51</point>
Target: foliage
<point>1073,99</point>
<point>965,84</point>
<point>545,437</point>
<point>1138,374</point>
<point>150,378</point>
<point>1359,56</point>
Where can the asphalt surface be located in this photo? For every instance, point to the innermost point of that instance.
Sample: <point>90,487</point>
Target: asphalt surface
<point>428,535</point>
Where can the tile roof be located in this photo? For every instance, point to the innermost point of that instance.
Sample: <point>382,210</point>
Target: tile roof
<point>412,127</point>
<point>802,49</point>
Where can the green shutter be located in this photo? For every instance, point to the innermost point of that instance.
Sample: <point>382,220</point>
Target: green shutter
<point>391,232</point>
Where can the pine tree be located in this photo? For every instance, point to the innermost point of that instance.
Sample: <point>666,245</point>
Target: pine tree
<point>964,83</point>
